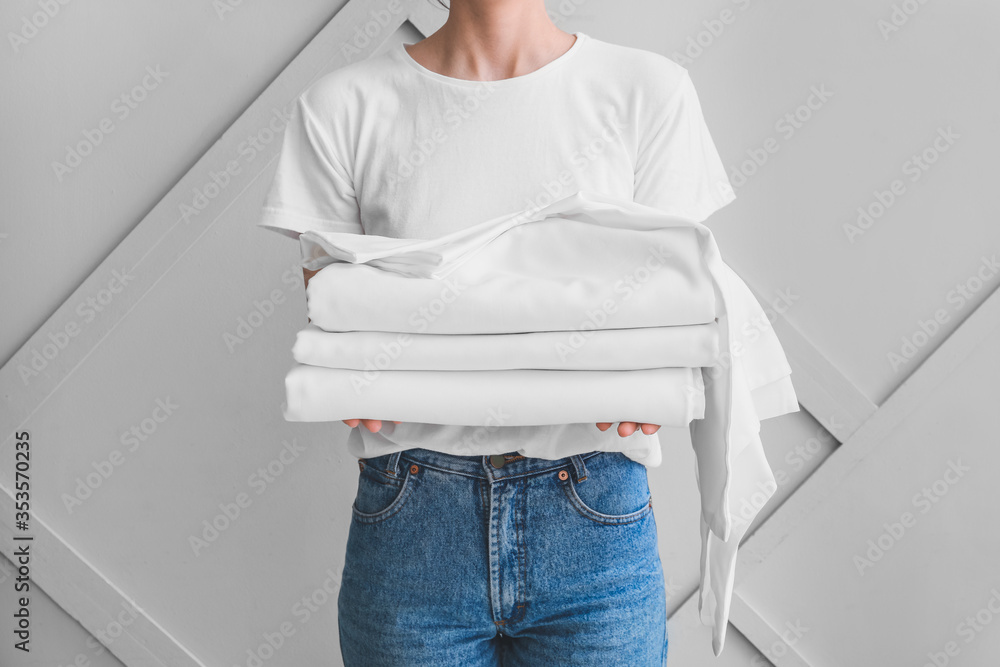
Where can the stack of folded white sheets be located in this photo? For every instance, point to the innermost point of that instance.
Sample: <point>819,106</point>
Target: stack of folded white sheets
<point>590,309</point>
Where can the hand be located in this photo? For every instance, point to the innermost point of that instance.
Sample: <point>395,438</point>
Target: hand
<point>626,429</point>
<point>372,425</point>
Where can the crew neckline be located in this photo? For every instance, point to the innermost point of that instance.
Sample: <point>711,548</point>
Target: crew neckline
<point>547,67</point>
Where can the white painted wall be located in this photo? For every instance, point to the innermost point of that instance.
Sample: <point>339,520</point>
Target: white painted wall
<point>785,233</point>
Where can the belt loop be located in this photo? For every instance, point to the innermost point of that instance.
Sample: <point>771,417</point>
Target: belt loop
<point>579,468</point>
<point>393,465</point>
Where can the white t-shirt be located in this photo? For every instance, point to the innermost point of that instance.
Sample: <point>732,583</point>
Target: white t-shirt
<point>386,146</point>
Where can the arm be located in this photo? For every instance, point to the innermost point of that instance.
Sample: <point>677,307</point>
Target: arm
<point>306,275</point>
<point>312,189</point>
<point>372,425</point>
<point>678,168</point>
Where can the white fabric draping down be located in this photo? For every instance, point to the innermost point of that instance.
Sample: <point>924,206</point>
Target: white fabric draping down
<point>585,263</point>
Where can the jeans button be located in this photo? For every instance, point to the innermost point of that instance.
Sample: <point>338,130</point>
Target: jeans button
<point>497,460</point>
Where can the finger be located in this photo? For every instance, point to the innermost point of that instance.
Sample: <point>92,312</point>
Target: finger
<point>626,429</point>
<point>372,425</point>
<point>604,426</point>
<point>352,422</point>
<point>649,429</point>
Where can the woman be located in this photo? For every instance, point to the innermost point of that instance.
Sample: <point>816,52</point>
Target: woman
<point>497,545</point>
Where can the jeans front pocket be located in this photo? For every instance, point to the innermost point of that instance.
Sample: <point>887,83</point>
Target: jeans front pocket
<point>615,490</point>
<point>380,495</point>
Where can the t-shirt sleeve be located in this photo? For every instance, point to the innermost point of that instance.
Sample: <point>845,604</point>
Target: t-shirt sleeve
<point>678,168</point>
<point>311,189</point>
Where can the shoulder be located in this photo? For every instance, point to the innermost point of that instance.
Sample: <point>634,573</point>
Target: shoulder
<point>650,77</point>
<point>350,86</point>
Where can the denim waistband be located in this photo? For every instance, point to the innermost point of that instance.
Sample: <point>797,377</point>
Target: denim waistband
<point>480,467</point>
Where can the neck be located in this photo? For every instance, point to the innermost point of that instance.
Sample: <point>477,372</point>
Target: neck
<point>487,40</point>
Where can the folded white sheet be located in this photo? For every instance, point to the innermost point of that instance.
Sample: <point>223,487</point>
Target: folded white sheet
<point>691,346</point>
<point>665,396</point>
<point>556,274</point>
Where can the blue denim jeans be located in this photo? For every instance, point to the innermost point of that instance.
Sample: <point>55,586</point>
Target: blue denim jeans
<point>502,560</point>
